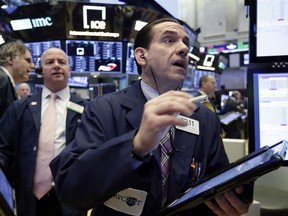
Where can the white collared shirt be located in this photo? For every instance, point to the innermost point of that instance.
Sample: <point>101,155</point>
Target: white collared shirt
<point>9,75</point>
<point>61,113</point>
<point>148,91</point>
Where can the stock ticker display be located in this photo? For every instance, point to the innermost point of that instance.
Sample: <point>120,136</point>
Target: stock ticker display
<point>90,56</point>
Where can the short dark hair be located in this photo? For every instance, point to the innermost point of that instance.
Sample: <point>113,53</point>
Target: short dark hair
<point>145,36</point>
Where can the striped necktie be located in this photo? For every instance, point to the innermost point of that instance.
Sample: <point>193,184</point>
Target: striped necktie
<point>166,149</point>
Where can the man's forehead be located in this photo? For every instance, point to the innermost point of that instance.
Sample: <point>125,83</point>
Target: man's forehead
<point>27,53</point>
<point>170,26</point>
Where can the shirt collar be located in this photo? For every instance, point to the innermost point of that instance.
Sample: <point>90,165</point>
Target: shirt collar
<point>64,94</point>
<point>148,91</point>
<point>9,75</point>
<point>202,92</point>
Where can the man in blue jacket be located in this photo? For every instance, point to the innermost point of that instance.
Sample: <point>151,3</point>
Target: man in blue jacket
<point>15,65</point>
<point>20,126</point>
<point>114,163</point>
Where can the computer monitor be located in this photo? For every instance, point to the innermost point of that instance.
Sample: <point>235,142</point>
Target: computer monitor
<point>94,56</point>
<point>267,107</point>
<point>78,81</point>
<point>268,31</point>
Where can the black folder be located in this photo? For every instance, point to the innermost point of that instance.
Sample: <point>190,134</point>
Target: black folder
<point>242,171</point>
<point>6,196</point>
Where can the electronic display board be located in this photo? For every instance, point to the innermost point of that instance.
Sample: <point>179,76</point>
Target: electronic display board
<point>94,56</point>
<point>131,66</point>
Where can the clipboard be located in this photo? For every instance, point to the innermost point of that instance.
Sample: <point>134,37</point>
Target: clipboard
<point>7,204</point>
<point>240,172</point>
<point>229,117</point>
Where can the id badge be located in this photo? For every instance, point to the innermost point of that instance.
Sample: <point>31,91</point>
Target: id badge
<point>129,201</point>
<point>192,125</point>
<point>75,107</point>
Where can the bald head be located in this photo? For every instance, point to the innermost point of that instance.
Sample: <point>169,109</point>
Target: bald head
<point>55,69</point>
<point>23,90</point>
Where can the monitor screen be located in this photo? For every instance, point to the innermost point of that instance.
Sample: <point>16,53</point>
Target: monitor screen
<point>95,56</point>
<point>78,81</point>
<point>131,67</point>
<point>191,33</point>
<point>37,48</point>
<point>268,31</point>
<point>267,107</point>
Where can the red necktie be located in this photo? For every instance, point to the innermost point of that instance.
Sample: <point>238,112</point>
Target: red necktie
<point>43,176</point>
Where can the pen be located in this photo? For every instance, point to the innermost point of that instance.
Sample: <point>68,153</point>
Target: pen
<point>196,169</point>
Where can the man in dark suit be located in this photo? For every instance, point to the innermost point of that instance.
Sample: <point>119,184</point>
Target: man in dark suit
<point>115,163</point>
<point>207,86</point>
<point>233,129</point>
<point>21,124</point>
<point>15,64</point>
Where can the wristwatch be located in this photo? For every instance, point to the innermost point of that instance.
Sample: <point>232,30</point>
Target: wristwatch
<point>144,159</point>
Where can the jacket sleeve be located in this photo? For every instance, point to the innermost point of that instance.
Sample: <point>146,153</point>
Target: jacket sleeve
<point>8,138</point>
<point>98,162</point>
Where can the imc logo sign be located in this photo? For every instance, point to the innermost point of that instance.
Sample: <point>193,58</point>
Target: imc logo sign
<point>27,23</point>
<point>94,17</point>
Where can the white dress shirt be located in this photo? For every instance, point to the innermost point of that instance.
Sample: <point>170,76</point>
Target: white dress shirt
<point>62,99</point>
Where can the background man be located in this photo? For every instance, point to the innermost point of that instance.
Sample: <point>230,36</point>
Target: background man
<point>207,85</point>
<point>26,126</point>
<point>23,90</point>
<point>15,64</point>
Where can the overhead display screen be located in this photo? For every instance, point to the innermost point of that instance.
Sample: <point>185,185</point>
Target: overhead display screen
<point>95,56</point>
<point>268,31</point>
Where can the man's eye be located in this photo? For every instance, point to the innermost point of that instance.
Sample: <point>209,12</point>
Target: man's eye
<point>168,40</point>
<point>63,62</point>
<point>28,60</point>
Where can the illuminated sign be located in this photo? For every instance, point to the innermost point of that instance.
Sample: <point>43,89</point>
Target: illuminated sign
<point>227,48</point>
<point>94,24</point>
<point>1,40</point>
<point>97,24</point>
<point>208,60</point>
<point>23,24</point>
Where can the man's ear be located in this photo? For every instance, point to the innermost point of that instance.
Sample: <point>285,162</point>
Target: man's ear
<point>10,60</point>
<point>139,54</point>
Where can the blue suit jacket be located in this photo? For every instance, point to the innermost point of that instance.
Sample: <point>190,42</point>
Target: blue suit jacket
<point>98,163</point>
<point>20,126</point>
